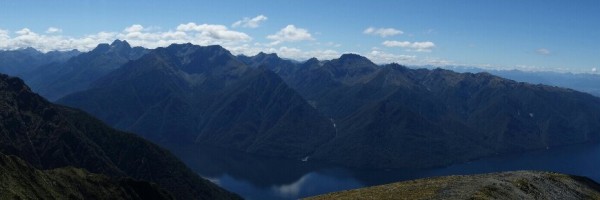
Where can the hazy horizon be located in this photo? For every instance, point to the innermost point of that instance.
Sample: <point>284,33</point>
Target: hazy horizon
<point>530,36</point>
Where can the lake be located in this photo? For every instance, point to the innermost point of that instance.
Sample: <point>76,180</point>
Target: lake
<point>255,177</point>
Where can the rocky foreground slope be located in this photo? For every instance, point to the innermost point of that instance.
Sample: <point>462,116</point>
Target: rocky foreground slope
<point>48,136</point>
<point>505,185</point>
<point>20,180</point>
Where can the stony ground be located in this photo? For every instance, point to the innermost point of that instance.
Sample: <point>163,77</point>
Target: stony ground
<point>505,185</point>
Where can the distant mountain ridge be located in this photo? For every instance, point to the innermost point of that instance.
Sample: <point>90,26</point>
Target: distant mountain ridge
<point>391,116</point>
<point>49,136</point>
<point>589,83</point>
<point>76,74</point>
<point>188,93</point>
<point>21,61</point>
<point>348,111</point>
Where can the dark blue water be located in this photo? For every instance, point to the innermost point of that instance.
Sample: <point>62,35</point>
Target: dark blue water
<point>266,178</point>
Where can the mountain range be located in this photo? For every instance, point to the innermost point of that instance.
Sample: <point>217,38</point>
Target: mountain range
<point>393,116</point>
<point>584,82</point>
<point>187,93</point>
<point>58,79</point>
<point>71,144</point>
<point>20,61</point>
<point>348,111</point>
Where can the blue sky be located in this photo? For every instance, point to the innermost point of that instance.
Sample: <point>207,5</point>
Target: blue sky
<point>554,35</point>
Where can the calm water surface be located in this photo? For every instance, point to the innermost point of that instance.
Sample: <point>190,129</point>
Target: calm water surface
<point>257,178</point>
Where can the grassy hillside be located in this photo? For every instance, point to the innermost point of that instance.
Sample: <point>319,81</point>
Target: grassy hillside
<point>49,136</point>
<point>505,185</point>
<point>19,180</point>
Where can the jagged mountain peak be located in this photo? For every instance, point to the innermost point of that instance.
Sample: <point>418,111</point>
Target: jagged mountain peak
<point>178,50</point>
<point>351,56</point>
<point>120,44</point>
<point>350,68</point>
<point>192,63</point>
<point>396,66</point>
<point>266,55</point>
<point>217,49</point>
<point>180,45</point>
<point>312,60</point>
<point>192,47</point>
<point>31,50</point>
<point>191,50</point>
<point>55,80</point>
<point>102,47</point>
<point>208,92</point>
<point>353,61</point>
<point>117,46</point>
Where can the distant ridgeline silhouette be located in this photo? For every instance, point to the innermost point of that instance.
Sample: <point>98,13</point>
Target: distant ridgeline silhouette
<point>348,111</point>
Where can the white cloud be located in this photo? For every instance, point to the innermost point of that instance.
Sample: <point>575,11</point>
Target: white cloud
<point>436,61</point>
<point>298,54</point>
<point>284,51</point>
<point>214,31</point>
<point>529,68</point>
<point>53,30</point>
<point>290,34</point>
<point>203,34</point>
<point>389,43</point>
<point>24,31</point>
<point>134,28</point>
<point>594,70</point>
<point>136,35</point>
<point>333,44</point>
<point>4,36</point>
<point>415,46</point>
<point>384,58</point>
<point>380,57</point>
<point>293,189</point>
<point>26,38</point>
<point>199,34</point>
<point>543,51</point>
<point>382,32</point>
<point>250,23</point>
